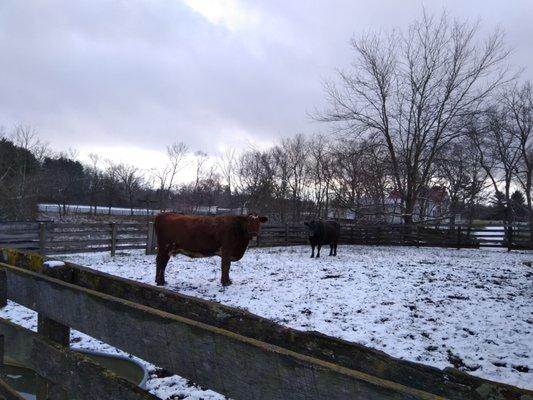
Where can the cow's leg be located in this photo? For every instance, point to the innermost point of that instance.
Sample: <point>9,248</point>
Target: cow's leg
<point>312,250</point>
<point>335,249</point>
<point>225,280</point>
<point>161,262</point>
<point>318,246</point>
<point>331,249</point>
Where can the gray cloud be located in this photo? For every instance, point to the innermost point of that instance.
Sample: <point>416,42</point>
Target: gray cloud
<point>121,74</point>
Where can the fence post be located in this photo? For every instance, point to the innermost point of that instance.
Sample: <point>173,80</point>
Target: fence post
<point>1,350</point>
<point>113,238</point>
<point>54,331</point>
<point>530,243</point>
<point>510,238</point>
<point>3,288</point>
<point>42,237</point>
<point>458,237</point>
<point>150,239</point>
<point>47,327</point>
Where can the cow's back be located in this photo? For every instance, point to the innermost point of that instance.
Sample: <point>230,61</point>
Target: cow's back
<point>330,231</point>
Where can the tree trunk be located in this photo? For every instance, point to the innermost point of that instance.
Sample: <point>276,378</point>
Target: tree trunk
<point>408,210</point>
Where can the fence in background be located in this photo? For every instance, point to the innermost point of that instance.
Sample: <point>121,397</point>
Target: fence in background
<point>57,238</point>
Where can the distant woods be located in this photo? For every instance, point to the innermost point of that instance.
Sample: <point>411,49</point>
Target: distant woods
<point>425,124</point>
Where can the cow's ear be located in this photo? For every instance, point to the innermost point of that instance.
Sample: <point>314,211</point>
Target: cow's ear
<point>263,219</point>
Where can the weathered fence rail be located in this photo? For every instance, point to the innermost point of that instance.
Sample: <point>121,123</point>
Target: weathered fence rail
<point>56,238</point>
<point>229,350</point>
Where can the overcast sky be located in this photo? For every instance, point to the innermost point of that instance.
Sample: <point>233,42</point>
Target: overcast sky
<point>125,78</point>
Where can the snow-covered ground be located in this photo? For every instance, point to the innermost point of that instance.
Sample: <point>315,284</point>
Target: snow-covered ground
<point>469,308</point>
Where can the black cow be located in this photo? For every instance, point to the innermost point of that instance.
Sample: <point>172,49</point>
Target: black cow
<point>323,232</point>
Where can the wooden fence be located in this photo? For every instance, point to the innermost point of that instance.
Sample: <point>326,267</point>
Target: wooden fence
<point>60,238</point>
<point>55,238</point>
<point>226,349</point>
<point>455,236</point>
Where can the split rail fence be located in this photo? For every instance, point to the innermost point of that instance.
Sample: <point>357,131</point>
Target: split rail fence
<point>229,350</point>
<point>60,238</point>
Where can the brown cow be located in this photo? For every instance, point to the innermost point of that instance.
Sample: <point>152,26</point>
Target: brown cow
<point>198,236</point>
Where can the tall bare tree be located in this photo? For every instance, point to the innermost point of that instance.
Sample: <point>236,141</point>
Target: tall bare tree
<point>226,165</point>
<point>165,177</point>
<point>411,90</point>
<point>321,173</point>
<point>131,180</point>
<point>295,151</point>
<point>459,170</point>
<point>518,102</point>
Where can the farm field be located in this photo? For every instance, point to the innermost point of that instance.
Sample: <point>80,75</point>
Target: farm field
<point>472,309</point>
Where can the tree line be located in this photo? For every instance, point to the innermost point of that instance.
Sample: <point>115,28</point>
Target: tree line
<point>432,109</point>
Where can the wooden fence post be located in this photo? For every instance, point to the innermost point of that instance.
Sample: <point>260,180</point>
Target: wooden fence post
<point>54,331</point>
<point>47,327</point>
<point>150,239</point>
<point>510,238</point>
<point>1,350</point>
<point>458,237</point>
<point>3,288</point>
<point>113,238</point>
<point>42,237</point>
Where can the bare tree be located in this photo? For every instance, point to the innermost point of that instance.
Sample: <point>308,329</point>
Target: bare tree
<point>226,165</point>
<point>519,104</point>
<point>33,149</point>
<point>131,180</point>
<point>361,180</point>
<point>200,163</point>
<point>411,91</point>
<point>321,173</point>
<point>111,184</point>
<point>165,177</point>
<point>95,181</point>
<point>256,181</point>
<point>28,138</point>
<point>295,151</point>
<point>459,170</point>
<point>5,168</point>
<point>505,150</point>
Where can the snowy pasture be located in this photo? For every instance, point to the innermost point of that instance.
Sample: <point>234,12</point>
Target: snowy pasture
<point>472,309</point>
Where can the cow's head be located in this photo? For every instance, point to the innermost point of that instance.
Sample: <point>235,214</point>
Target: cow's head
<point>312,226</point>
<point>253,223</point>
